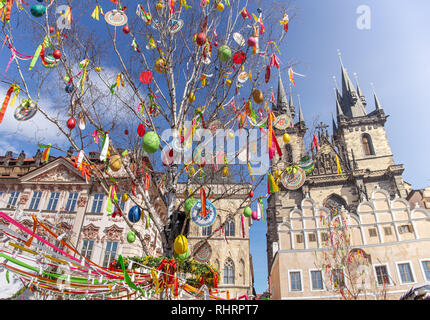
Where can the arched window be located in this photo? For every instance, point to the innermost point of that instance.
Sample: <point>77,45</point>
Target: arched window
<point>229,272</point>
<point>334,203</point>
<point>366,141</point>
<point>207,231</point>
<point>229,228</point>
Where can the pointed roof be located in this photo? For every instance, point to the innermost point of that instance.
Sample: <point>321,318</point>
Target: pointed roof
<point>339,111</point>
<point>359,92</point>
<point>282,103</point>
<point>333,123</point>
<point>301,118</point>
<point>378,105</point>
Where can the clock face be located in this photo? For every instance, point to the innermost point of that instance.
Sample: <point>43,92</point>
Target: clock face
<point>282,122</point>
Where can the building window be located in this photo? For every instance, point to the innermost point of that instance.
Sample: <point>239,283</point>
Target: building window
<point>229,228</point>
<point>207,231</point>
<point>388,231</point>
<point>382,275</point>
<point>338,278</point>
<point>405,228</point>
<point>405,272</point>
<point>312,237</point>
<point>110,253</point>
<point>367,145</point>
<point>426,269</point>
<point>53,201</point>
<point>229,272</point>
<point>35,200</point>
<point>295,281</point>
<point>299,238</point>
<point>121,203</point>
<point>12,200</point>
<point>372,232</point>
<point>71,201</point>
<point>87,248</point>
<point>317,282</point>
<point>97,203</point>
<point>324,236</point>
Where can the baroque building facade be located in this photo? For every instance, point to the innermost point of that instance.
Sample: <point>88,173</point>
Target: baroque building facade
<point>356,177</point>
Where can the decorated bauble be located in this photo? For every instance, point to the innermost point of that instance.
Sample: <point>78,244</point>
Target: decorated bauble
<point>146,77</point>
<point>160,65</point>
<point>252,42</point>
<point>225,171</point>
<point>141,130</point>
<point>115,163</point>
<point>247,212</point>
<point>286,138</point>
<point>216,43</point>
<point>124,197</point>
<point>220,6</point>
<point>98,69</point>
<point>224,53</point>
<point>150,142</point>
<point>251,193</point>
<point>71,123</point>
<point>38,10</point>
<point>192,97</point>
<point>126,132</point>
<point>56,54</point>
<point>126,29</point>
<point>131,236</point>
<point>134,214</point>
<point>228,82</point>
<point>201,39</point>
<point>69,88</point>
<point>258,96</point>
<point>159,6</point>
<point>254,215</point>
<point>189,203</point>
<point>231,134</point>
<point>183,256</point>
<point>180,245</point>
<point>51,29</point>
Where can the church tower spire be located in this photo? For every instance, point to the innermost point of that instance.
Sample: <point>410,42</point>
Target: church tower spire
<point>282,103</point>
<point>378,105</point>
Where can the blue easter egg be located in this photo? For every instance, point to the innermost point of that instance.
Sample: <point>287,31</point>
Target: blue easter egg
<point>134,214</point>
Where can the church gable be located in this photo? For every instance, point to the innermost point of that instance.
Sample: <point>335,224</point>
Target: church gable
<point>58,171</point>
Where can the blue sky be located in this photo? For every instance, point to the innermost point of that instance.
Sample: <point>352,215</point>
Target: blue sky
<point>393,55</point>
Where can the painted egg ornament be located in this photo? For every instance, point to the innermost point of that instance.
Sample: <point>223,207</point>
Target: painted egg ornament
<point>146,77</point>
<point>134,214</point>
<point>258,96</point>
<point>189,203</point>
<point>150,142</point>
<point>25,111</point>
<point>71,123</point>
<point>115,163</point>
<point>160,65</point>
<point>225,172</point>
<point>51,29</point>
<point>159,6</point>
<point>141,130</point>
<point>180,245</point>
<point>286,138</point>
<point>131,236</point>
<point>224,53</point>
<point>239,57</point>
<point>69,88</point>
<point>201,39</point>
<point>37,10</point>
<point>126,132</point>
<point>220,6</point>
<point>126,29</point>
<point>124,197</point>
<point>254,215</point>
<point>98,69</point>
<point>183,256</point>
<point>252,42</point>
<point>251,193</point>
<point>56,54</point>
<point>247,212</point>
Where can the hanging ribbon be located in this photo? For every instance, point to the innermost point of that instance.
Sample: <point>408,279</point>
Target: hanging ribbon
<point>291,75</point>
<point>6,102</point>
<point>339,168</point>
<point>203,201</point>
<point>272,185</point>
<point>30,240</point>
<point>83,65</point>
<point>97,11</point>
<point>184,3</point>
<point>243,227</point>
<point>105,147</point>
<point>315,143</point>
<point>260,209</point>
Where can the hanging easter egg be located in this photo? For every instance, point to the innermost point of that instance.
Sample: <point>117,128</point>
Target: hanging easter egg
<point>150,142</point>
<point>239,57</point>
<point>189,203</point>
<point>141,130</point>
<point>115,163</point>
<point>37,10</point>
<point>25,111</point>
<point>238,38</point>
<point>258,96</point>
<point>252,42</point>
<point>224,53</point>
<point>183,256</point>
<point>167,157</point>
<point>124,197</point>
<point>220,6</point>
<point>225,171</point>
<point>98,69</point>
<point>201,39</point>
<point>131,236</point>
<point>254,215</point>
<point>56,54</point>
<point>116,18</point>
<point>267,74</point>
<point>71,123</point>
<point>180,245</point>
<point>286,138</point>
<point>146,77</point>
<point>69,88</point>
<point>159,6</point>
<point>192,97</point>
<point>134,214</point>
<point>251,193</point>
<point>160,65</point>
<point>126,29</point>
<point>51,29</point>
<point>243,77</point>
<point>247,212</point>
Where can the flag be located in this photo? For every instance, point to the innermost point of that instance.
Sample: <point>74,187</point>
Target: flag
<point>315,143</point>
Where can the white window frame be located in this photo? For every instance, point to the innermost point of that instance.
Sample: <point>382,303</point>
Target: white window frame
<point>13,199</point>
<point>301,280</point>
<point>94,200</point>
<point>322,279</point>
<point>390,278</point>
<point>38,199</point>
<point>71,202</point>
<point>422,268</point>
<point>412,270</point>
<point>54,199</point>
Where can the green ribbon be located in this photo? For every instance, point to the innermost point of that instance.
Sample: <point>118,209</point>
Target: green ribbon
<point>127,277</point>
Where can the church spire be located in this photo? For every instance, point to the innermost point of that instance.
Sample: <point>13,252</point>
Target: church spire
<point>282,102</point>
<point>359,92</point>
<point>333,123</point>
<point>339,111</point>
<point>291,105</point>
<point>377,102</point>
<point>301,118</point>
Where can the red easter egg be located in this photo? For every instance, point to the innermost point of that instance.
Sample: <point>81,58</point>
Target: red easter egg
<point>252,41</point>
<point>126,132</point>
<point>71,123</point>
<point>126,29</point>
<point>201,39</point>
<point>239,57</point>
<point>182,139</point>
<point>251,194</point>
<point>141,130</point>
<point>216,43</point>
<point>51,29</point>
<point>56,54</point>
<point>146,77</point>
<point>254,215</point>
